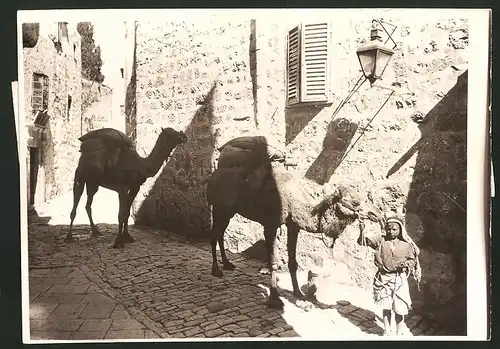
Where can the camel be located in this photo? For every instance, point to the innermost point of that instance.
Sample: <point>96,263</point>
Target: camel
<point>109,160</point>
<point>273,199</point>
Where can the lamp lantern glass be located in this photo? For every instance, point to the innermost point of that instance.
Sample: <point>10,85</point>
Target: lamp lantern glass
<point>374,56</point>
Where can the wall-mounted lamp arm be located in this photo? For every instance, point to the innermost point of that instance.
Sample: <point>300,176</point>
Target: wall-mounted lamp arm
<point>384,87</point>
<point>365,128</point>
<point>388,23</point>
<point>395,88</point>
<point>381,22</point>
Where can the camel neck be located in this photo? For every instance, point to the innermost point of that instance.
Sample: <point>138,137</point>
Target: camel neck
<point>156,158</point>
<point>304,217</point>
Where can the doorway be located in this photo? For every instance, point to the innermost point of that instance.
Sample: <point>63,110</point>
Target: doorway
<point>34,163</point>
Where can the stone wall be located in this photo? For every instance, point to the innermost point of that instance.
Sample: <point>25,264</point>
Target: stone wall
<point>436,206</point>
<point>97,106</point>
<point>218,79</point>
<point>194,76</point>
<point>62,65</point>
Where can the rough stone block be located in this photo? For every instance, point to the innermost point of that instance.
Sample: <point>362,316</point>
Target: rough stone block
<point>50,335</point>
<point>61,325</point>
<point>124,334</point>
<point>70,289</point>
<point>41,310</point>
<point>126,324</point>
<point>99,298</point>
<point>67,311</point>
<point>92,325</point>
<point>87,335</point>
<point>97,311</point>
<point>214,333</point>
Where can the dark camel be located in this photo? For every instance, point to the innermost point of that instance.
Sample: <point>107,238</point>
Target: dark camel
<point>278,201</point>
<point>127,175</point>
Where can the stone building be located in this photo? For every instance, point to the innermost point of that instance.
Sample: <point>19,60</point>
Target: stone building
<point>52,88</point>
<point>217,78</point>
<point>59,106</point>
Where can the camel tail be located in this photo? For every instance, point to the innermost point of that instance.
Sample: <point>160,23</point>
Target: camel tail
<point>78,182</point>
<point>79,179</point>
<point>78,187</point>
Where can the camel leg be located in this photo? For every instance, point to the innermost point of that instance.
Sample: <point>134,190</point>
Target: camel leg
<point>226,264</point>
<point>78,187</point>
<point>130,199</point>
<point>91,191</point>
<point>293,233</point>
<point>119,241</point>
<point>219,225</point>
<point>274,300</point>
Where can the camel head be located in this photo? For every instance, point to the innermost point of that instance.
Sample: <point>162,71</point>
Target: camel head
<point>171,138</point>
<point>337,210</point>
<point>373,214</point>
<point>343,207</point>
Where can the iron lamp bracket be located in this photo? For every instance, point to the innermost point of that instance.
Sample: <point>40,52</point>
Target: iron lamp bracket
<point>395,88</point>
<point>381,22</point>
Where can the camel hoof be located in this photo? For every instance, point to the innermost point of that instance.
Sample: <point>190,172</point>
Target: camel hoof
<point>229,266</point>
<point>96,232</point>
<point>69,238</point>
<point>299,295</point>
<point>275,303</point>
<point>216,272</point>
<point>118,245</point>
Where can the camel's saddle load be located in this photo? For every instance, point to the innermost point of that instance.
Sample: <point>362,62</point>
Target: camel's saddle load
<point>249,152</point>
<point>244,162</point>
<point>251,156</point>
<point>105,140</point>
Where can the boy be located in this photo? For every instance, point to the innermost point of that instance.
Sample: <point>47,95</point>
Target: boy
<point>396,258</point>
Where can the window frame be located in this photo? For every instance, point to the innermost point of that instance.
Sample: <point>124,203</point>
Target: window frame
<point>305,73</point>
<point>42,92</point>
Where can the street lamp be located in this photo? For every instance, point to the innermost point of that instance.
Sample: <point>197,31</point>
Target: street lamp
<point>374,56</point>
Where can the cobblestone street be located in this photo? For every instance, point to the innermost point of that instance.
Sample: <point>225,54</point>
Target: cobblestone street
<point>161,287</point>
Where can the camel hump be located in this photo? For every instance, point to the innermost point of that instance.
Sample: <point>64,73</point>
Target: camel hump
<point>250,151</point>
<point>246,142</point>
<point>108,135</point>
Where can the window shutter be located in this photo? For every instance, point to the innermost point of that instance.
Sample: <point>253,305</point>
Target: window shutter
<point>315,62</point>
<point>40,93</point>
<point>293,66</point>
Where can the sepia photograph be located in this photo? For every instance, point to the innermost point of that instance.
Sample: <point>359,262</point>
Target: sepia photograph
<point>233,174</point>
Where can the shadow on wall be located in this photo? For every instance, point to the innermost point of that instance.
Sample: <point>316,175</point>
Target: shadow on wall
<point>438,198</point>
<point>47,160</point>
<point>297,118</point>
<point>130,96</point>
<point>335,144</point>
<point>34,165</point>
<point>177,200</point>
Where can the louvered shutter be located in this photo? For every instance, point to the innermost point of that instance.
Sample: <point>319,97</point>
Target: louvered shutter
<point>315,62</point>
<point>293,66</point>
